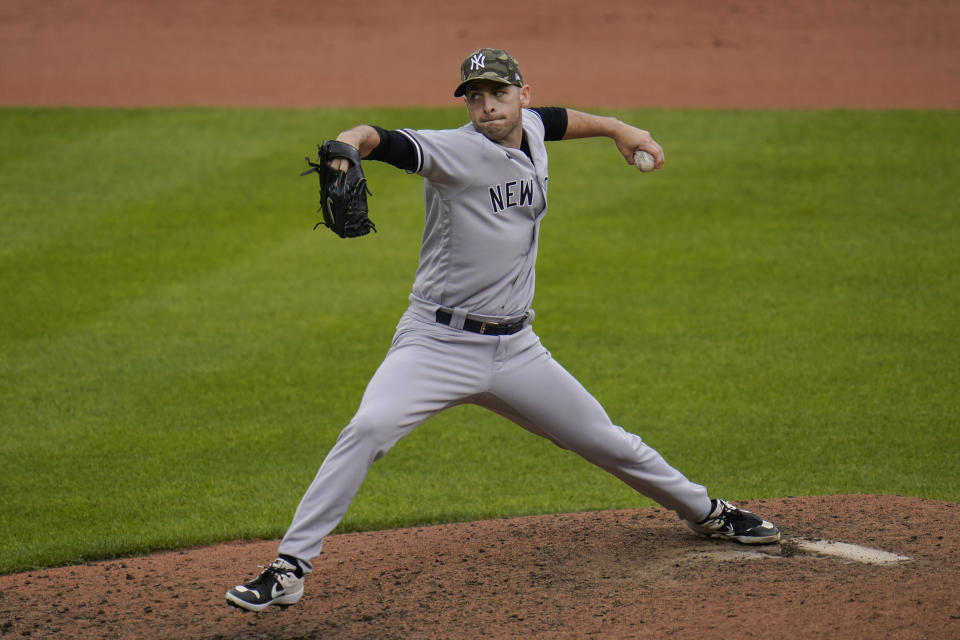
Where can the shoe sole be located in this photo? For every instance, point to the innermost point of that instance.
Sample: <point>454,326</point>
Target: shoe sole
<point>283,601</point>
<point>745,539</point>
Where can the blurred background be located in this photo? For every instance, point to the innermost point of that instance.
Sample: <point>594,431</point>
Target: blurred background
<point>614,53</point>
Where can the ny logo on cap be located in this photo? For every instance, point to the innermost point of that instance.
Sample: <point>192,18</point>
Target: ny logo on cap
<point>478,61</point>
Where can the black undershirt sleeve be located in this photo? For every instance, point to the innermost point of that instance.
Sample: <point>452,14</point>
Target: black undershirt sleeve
<point>396,149</point>
<point>554,122</point>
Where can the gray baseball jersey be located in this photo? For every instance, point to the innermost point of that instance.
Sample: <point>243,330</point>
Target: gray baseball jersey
<point>483,207</point>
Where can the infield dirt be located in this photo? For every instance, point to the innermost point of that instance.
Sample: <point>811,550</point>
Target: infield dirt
<point>620,574</point>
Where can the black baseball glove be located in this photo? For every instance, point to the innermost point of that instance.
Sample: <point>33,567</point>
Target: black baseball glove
<point>343,194</point>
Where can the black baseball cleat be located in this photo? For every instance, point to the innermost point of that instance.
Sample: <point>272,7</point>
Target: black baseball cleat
<point>279,584</point>
<point>730,522</point>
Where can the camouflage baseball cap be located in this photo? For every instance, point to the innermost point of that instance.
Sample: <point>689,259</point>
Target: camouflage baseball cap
<point>489,64</point>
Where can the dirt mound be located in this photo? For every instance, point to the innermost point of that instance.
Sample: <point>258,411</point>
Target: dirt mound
<point>619,574</point>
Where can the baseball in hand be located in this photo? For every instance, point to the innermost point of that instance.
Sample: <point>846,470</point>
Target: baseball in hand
<point>644,161</point>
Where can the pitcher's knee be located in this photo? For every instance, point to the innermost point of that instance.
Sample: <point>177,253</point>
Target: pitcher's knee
<point>370,431</point>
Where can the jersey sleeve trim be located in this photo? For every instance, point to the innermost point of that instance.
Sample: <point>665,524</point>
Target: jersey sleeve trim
<point>416,146</point>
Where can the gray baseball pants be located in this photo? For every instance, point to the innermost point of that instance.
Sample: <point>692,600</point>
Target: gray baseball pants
<point>431,367</point>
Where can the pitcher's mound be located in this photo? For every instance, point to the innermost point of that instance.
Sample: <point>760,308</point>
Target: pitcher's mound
<point>615,574</point>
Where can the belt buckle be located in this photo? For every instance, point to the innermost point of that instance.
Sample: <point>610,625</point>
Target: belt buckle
<point>496,327</point>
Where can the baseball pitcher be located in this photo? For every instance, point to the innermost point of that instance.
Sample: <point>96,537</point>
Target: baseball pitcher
<point>467,335</point>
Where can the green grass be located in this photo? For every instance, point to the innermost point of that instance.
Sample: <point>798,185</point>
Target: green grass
<point>776,312</point>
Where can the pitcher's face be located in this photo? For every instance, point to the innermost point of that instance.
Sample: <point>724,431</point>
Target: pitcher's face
<point>496,110</point>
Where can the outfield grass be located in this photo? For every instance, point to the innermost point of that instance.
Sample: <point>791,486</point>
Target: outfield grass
<point>776,312</point>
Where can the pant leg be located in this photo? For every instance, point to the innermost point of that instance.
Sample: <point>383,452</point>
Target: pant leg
<point>535,391</point>
<point>422,374</point>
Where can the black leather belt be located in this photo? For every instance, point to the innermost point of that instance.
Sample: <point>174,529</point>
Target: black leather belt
<point>486,328</point>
